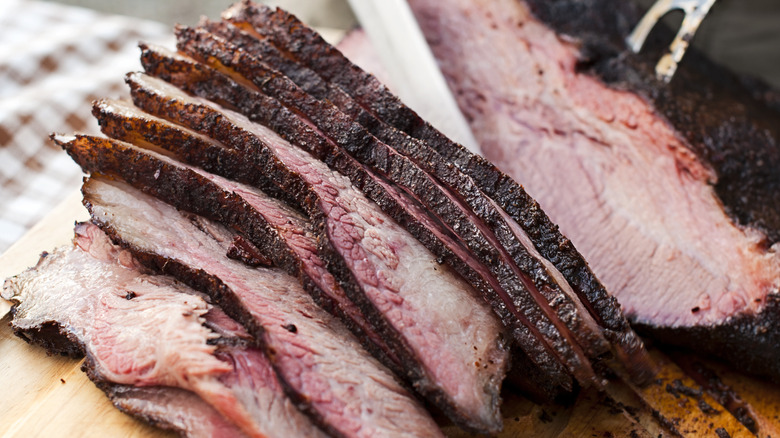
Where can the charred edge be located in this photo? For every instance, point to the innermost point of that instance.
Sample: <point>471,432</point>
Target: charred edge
<point>267,53</point>
<point>111,390</point>
<point>301,44</point>
<point>244,251</point>
<point>53,337</point>
<point>219,88</point>
<point>114,393</point>
<point>145,134</point>
<point>223,343</point>
<point>747,341</point>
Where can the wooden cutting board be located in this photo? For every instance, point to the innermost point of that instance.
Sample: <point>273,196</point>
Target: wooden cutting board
<point>50,396</point>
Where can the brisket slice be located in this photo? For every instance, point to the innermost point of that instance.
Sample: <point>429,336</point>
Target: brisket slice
<point>172,409</point>
<point>303,44</point>
<point>148,331</point>
<point>669,169</point>
<point>206,82</point>
<point>456,329</point>
<point>319,362</point>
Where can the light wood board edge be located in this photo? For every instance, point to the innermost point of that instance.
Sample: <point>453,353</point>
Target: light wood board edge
<point>56,229</point>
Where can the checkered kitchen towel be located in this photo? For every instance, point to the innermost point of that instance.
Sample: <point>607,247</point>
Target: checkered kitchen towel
<point>54,60</point>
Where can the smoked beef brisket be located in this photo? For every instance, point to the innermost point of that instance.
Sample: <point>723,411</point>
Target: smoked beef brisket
<point>209,83</point>
<point>262,168</point>
<point>670,191</point>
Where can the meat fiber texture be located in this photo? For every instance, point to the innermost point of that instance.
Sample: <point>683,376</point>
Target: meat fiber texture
<point>670,192</point>
<point>143,331</point>
<point>319,362</point>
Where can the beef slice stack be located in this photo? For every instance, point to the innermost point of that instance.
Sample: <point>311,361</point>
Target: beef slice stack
<point>669,191</point>
<point>377,266</point>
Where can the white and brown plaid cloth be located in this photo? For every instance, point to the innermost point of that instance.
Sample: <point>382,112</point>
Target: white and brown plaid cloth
<point>54,60</point>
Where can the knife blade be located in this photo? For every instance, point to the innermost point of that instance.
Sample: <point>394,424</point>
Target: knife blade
<point>410,65</point>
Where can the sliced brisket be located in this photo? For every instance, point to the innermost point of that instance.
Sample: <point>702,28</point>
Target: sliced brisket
<point>454,331</point>
<point>148,331</point>
<point>403,209</point>
<point>669,191</point>
<point>512,299</point>
<point>321,365</point>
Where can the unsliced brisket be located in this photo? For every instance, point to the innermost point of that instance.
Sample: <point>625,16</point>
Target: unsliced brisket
<point>473,335</point>
<point>321,365</point>
<point>679,215</point>
<point>148,331</point>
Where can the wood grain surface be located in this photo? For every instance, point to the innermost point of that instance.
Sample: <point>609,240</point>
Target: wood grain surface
<point>49,396</point>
